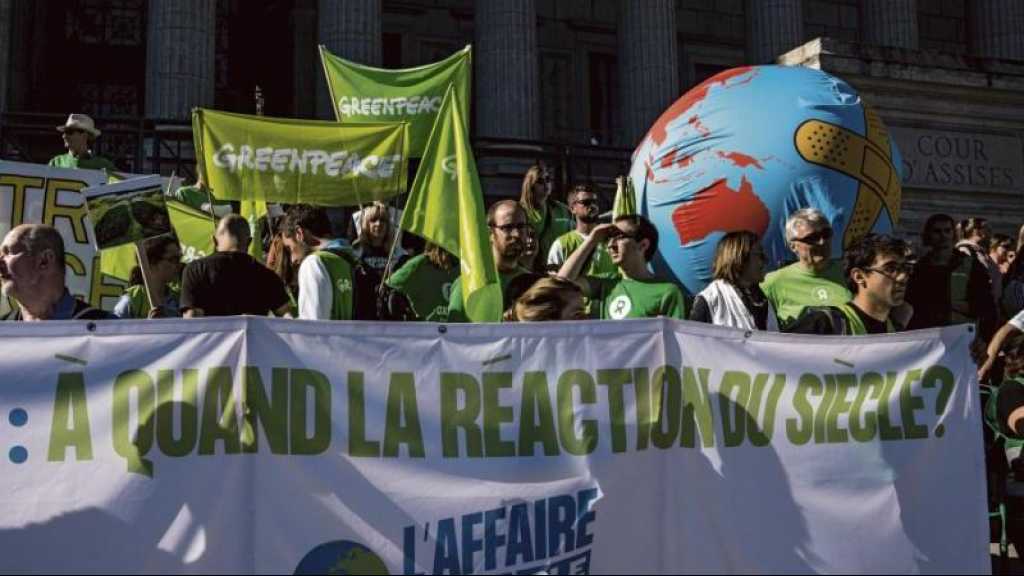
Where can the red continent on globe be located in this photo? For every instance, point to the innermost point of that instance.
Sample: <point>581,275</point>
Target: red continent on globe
<point>719,208</point>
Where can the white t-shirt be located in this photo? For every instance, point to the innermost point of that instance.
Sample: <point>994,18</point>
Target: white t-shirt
<point>316,293</point>
<point>1018,321</point>
<point>557,255</point>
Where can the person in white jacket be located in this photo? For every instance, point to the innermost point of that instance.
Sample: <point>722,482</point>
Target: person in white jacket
<point>735,298</point>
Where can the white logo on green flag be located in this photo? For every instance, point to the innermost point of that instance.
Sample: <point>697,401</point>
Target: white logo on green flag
<point>362,93</point>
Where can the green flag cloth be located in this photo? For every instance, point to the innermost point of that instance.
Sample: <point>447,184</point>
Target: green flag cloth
<point>363,94</point>
<point>625,198</point>
<point>194,230</point>
<point>118,262</point>
<point>253,212</point>
<point>446,206</point>
<point>300,161</point>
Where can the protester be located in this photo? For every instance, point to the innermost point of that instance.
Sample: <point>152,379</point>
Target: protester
<point>549,298</point>
<point>948,286</point>
<point>200,197</point>
<point>975,237</point>
<point>548,217</point>
<point>877,271</point>
<point>586,209</point>
<point>421,288</point>
<point>1000,249</point>
<point>375,240</point>
<point>230,282</point>
<point>815,279</point>
<point>1010,403</point>
<point>79,132</point>
<point>507,222</point>
<point>1009,330</point>
<point>32,273</point>
<point>279,259</point>
<point>164,259</point>
<point>734,298</point>
<point>326,283</point>
<point>632,242</point>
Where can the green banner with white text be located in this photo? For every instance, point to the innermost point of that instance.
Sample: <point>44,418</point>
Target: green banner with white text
<point>362,93</point>
<point>300,161</point>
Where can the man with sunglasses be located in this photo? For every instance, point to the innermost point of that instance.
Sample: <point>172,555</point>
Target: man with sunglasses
<point>507,222</point>
<point>878,271</point>
<point>79,132</point>
<point>585,208</point>
<point>636,293</point>
<point>815,279</point>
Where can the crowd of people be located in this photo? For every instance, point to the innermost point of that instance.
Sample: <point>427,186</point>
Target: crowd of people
<point>555,261</point>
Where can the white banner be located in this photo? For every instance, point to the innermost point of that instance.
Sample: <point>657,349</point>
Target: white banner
<point>34,194</point>
<point>654,446</point>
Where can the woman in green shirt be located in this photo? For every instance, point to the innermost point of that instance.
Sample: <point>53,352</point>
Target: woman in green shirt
<point>548,217</point>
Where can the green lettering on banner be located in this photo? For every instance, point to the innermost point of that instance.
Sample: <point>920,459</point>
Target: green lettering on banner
<point>133,447</point>
<point>697,412</point>
<point>586,441</point>
<point>402,405</point>
<point>267,414</point>
<point>844,382</point>
<point>303,382</point>
<point>536,418</point>
<point>454,385</point>
<point>761,434</point>
<point>644,418</point>
<point>800,430</point>
<point>821,413</point>
<point>188,421</point>
<point>358,445</point>
<point>495,415</point>
<point>910,404</point>
<point>871,385</point>
<point>733,411</point>
<point>69,427</point>
<point>220,414</point>
<point>615,380</point>
<point>886,430</point>
<point>668,403</point>
<point>934,375</point>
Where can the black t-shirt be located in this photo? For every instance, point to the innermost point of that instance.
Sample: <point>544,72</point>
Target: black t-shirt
<point>823,321</point>
<point>231,284</point>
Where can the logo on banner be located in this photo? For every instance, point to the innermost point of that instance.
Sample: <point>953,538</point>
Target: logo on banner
<point>341,557</point>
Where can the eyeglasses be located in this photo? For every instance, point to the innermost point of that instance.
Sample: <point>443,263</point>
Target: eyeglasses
<point>508,228</point>
<point>587,203</point>
<point>816,238</point>
<point>616,236</point>
<point>893,270</point>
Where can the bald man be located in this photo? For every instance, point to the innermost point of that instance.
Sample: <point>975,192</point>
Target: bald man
<point>32,272</point>
<point>230,282</point>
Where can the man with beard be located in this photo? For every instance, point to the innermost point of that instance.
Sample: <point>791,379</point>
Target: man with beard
<point>877,271</point>
<point>949,286</point>
<point>635,292</point>
<point>586,209</point>
<point>326,282</point>
<point>32,272</point>
<point>507,221</point>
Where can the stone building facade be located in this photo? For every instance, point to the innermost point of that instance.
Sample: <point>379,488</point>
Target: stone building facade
<point>582,79</point>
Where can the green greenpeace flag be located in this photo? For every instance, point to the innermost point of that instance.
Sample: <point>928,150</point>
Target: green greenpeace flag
<point>363,94</point>
<point>625,198</point>
<point>300,161</point>
<point>446,206</point>
<point>194,230</point>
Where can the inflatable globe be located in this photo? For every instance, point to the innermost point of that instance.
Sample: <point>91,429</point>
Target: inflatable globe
<point>748,147</point>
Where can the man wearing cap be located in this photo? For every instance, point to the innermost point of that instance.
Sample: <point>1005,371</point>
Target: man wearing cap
<point>79,132</point>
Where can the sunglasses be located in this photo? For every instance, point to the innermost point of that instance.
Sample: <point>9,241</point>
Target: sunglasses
<point>587,203</point>
<point>893,270</point>
<point>73,131</point>
<point>816,238</point>
<point>616,236</point>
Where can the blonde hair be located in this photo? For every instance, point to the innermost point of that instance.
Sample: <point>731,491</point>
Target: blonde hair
<point>531,178</point>
<point>543,301</point>
<point>731,255</point>
<point>375,211</point>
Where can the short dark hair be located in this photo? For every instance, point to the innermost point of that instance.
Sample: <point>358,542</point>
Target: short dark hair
<point>1001,240</point>
<point>935,219</point>
<point>313,219</point>
<point>39,237</point>
<point>864,250</point>
<point>237,227</point>
<point>645,231</point>
<point>577,190</point>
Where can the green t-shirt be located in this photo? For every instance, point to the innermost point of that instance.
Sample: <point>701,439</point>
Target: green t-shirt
<point>794,287</point>
<point>550,222</point>
<point>615,299</point>
<point>91,163</point>
<point>339,269</point>
<point>600,264</point>
<point>456,307</point>
<point>426,286</point>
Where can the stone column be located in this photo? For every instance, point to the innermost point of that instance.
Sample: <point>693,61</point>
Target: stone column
<point>179,57</point>
<point>506,69</point>
<point>349,29</point>
<point>890,23</point>
<point>648,64</point>
<point>997,28</point>
<point>308,75</point>
<point>774,28</point>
